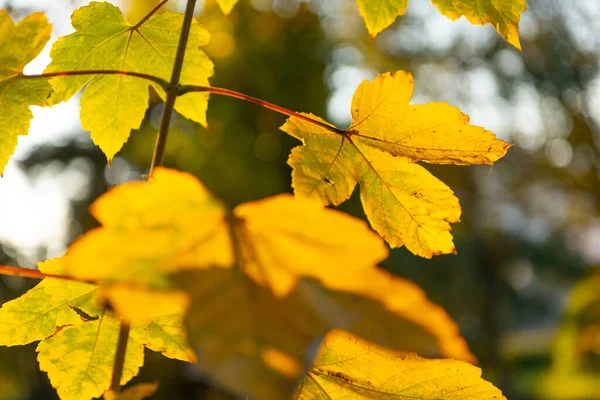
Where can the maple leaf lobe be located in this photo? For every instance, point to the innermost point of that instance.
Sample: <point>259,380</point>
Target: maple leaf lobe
<point>20,44</point>
<point>405,203</point>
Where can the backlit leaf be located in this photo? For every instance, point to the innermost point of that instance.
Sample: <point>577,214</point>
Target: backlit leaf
<point>47,307</point>
<point>379,14</point>
<point>277,274</point>
<point>405,203</point>
<point>503,15</point>
<point>19,44</point>
<point>265,342</point>
<point>226,5</point>
<point>350,368</point>
<point>79,359</point>
<point>113,105</point>
<point>78,335</point>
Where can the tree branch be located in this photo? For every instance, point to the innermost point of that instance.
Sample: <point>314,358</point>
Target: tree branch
<point>172,92</point>
<point>115,384</point>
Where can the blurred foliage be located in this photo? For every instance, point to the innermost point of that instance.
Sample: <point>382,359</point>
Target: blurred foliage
<point>575,370</point>
<point>530,224</point>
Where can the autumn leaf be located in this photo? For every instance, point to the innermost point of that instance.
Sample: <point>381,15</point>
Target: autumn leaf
<point>113,105</point>
<point>20,44</point>
<point>503,15</point>
<point>43,310</point>
<point>79,359</point>
<point>226,5</point>
<point>405,203</point>
<point>265,341</point>
<point>379,14</point>
<point>78,335</point>
<point>348,367</point>
<point>282,270</point>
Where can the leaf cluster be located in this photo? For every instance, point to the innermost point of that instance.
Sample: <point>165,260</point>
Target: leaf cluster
<point>275,298</point>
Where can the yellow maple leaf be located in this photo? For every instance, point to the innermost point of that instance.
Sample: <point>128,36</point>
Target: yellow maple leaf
<point>503,15</point>
<point>282,271</point>
<point>350,368</point>
<point>20,44</point>
<point>113,105</point>
<point>264,343</point>
<point>405,203</point>
<point>379,14</point>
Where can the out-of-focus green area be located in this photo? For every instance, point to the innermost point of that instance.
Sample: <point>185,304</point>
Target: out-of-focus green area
<point>522,286</point>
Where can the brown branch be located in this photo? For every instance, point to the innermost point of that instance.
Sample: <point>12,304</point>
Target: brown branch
<point>172,92</point>
<point>183,89</point>
<point>121,352</point>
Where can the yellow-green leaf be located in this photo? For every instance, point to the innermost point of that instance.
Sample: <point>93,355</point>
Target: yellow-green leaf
<point>405,203</point>
<point>379,14</point>
<point>20,44</point>
<point>113,105</point>
<point>226,5</point>
<point>350,368</point>
<point>503,15</point>
<point>79,359</point>
<point>161,315</point>
<point>45,309</point>
<point>67,316</point>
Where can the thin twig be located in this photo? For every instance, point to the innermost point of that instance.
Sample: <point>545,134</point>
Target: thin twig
<point>35,274</point>
<point>183,89</point>
<point>115,384</point>
<point>150,14</point>
<point>172,93</point>
<point>163,83</point>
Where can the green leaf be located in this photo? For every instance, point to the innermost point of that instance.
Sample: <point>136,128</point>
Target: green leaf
<point>19,45</point>
<point>113,105</point>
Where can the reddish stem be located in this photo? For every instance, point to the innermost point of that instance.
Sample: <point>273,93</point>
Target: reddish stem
<point>35,274</point>
<point>282,110</point>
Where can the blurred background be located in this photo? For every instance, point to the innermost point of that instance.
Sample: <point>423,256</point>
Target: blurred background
<point>524,287</point>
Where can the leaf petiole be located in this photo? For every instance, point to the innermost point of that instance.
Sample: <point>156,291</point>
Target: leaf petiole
<point>183,89</point>
<point>163,83</point>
